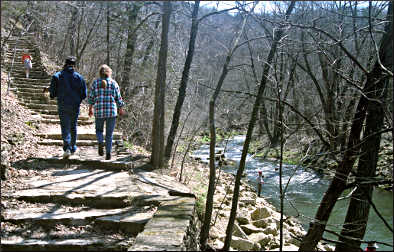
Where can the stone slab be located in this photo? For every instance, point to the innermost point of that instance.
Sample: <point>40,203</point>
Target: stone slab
<point>17,243</point>
<point>94,188</point>
<point>66,216</point>
<point>82,135</point>
<point>131,222</point>
<point>168,228</point>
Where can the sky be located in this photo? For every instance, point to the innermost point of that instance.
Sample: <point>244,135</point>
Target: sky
<point>263,5</point>
<point>220,5</point>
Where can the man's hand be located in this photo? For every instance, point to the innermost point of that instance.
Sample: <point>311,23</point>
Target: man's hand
<point>45,90</point>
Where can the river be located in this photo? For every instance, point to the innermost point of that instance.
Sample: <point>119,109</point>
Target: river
<point>305,191</point>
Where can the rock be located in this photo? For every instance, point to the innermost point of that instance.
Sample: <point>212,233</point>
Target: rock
<point>261,238</point>
<point>241,244</point>
<point>261,213</point>
<point>238,232</point>
<point>5,164</point>
<point>271,229</point>
<point>250,229</point>
<point>218,244</point>
<point>248,200</point>
<point>242,218</point>
<point>288,248</point>
<point>262,223</point>
<point>229,189</point>
<point>256,246</point>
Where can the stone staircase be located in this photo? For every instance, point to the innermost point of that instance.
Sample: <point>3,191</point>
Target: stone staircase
<point>86,203</point>
<point>30,90</point>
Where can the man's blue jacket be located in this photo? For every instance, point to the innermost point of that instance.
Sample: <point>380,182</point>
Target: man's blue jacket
<point>69,87</point>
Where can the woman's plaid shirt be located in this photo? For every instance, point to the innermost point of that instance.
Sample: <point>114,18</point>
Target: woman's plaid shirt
<point>105,100</point>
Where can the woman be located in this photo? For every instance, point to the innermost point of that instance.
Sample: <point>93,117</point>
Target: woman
<point>26,59</point>
<point>105,96</point>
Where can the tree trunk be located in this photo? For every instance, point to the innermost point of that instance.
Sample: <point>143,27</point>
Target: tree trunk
<point>150,46</point>
<point>184,80</point>
<point>158,113</point>
<point>264,78</point>
<point>108,25</point>
<point>212,168</point>
<point>74,18</point>
<point>357,215</point>
<point>130,47</point>
<point>338,183</point>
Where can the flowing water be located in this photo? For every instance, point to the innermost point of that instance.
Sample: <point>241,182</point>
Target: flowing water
<point>305,191</point>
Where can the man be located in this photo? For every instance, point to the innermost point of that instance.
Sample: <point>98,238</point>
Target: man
<point>70,89</point>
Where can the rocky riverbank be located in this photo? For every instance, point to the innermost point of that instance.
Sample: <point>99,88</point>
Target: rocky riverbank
<point>257,222</point>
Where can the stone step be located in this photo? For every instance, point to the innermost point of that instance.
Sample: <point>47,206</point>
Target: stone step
<point>57,121</point>
<point>117,163</point>
<point>38,100</point>
<point>46,112</point>
<point>76,187</point>
<point>20,50</point>
<point>89,243</point>
<point>81,136</point>
<point>89,142</point>
<point>32,81</point>
<point>36,85</point>
<point>39,75</point>
<point>12,41</point>
<point>128,219</point>
<point>29,94</point>
<point>80,118</point>
<point>30,90</point>
<point>40,106</point>
<point>20,68</point>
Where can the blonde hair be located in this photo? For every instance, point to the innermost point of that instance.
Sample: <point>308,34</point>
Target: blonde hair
<point>104,72</point>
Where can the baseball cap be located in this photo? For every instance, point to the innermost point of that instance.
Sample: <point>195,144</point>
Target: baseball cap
<point>71,60</point>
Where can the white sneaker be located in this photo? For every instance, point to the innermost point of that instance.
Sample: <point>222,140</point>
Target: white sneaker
<point>67,154</point>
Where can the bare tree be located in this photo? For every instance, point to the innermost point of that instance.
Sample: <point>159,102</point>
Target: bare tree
<point>266,68</point>
<point>184,80</point>
<point>212,167</point>
<point>339,182</point>
<point>357,216</point>
<point>157,156</point>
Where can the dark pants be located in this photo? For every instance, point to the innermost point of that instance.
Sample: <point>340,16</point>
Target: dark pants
<point>109,130</point>
<point>68,123</point>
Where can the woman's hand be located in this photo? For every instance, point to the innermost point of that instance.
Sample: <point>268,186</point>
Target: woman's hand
<point>121,112</point>
<point>90,111</point>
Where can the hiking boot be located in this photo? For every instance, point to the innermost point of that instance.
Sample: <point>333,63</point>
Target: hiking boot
<point>101,149</point>
<point>67,154</point>
<point>108,156</point>
<point>75,152</point>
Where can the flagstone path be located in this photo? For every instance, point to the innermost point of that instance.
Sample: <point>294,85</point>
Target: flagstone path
<point>86,203</point>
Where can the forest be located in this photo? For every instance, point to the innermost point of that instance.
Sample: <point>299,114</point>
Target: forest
<point>306,82</point>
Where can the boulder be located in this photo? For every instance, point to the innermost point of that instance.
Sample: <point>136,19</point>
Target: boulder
<point>287,248</point>
<point>256,247</point>
<point>242,218</point>
<point>248,200</point>
<point>250,229</point>
<point>241,244</point>
<point>261,238</point>
<point>261,213</point>
<point>238,232</point>
<point>5,164</point>
<point>262,223</point>
<point>271,229</point>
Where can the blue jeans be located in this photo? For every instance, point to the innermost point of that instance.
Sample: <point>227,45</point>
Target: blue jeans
<point>109,130</point>
<point>68,124</point>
